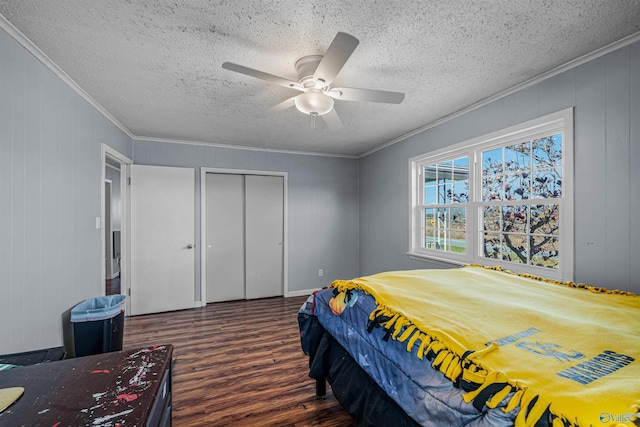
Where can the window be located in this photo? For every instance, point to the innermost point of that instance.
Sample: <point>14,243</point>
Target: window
<point>446,193</point>
<point>502,199</point>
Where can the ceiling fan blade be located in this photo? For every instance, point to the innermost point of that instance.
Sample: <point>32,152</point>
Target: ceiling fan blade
<point>288,103</point>
<point>367,95</point>
<point>332,120</point>
<point>270,78</point>
<point>336,56</point>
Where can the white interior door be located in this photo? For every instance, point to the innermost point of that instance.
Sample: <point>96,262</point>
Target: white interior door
<point>264,213</point>
<point>225,237</point>
<point>162,239</point>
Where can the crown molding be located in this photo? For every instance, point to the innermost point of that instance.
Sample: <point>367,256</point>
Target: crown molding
<point>42,57</point>
<point>241,147</point>
<point>560,69</point>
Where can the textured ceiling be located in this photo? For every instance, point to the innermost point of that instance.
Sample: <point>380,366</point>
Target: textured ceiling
<point>155,65</point>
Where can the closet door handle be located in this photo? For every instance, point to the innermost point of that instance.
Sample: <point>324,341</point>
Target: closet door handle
<point>189,246</point>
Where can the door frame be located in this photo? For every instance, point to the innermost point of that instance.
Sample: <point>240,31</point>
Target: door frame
<point>203,227</point>
<point>116,157</point>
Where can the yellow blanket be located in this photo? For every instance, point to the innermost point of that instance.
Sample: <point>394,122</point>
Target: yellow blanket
<point>569,349</point>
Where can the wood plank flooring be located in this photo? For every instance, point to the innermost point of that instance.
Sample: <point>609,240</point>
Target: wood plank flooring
<point>238,363</point>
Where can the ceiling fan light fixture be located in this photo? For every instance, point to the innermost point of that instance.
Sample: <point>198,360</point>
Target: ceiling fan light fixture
<point>313,101</point>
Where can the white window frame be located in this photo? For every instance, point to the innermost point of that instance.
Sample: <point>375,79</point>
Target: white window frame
<point>559,122</point>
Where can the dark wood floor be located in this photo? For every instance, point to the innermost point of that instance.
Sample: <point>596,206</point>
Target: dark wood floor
<point>112,286</point>
<point>238,363</point>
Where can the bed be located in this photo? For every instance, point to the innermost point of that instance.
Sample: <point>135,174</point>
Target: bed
<point>477,347</point>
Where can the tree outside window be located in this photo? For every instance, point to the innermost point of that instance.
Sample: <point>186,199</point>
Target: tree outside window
<point>527,177</point>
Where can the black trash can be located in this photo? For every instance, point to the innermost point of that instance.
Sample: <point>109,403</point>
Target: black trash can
<point>98,325</point>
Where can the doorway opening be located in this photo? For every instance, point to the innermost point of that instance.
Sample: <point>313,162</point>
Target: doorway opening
<point>114,221</point>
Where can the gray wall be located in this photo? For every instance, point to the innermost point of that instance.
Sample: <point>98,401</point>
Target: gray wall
<point>50,183</point>
<point>323,203</point>
<point>606,95</point>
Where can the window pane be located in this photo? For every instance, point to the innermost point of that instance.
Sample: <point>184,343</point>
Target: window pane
<point>430,175</point>
<point>429,218</point>
<point>547,151</point>
<point>545,219</point>
<point>516,187</point>
<point>445,172</point>
<point>442,217</point>
<point>492,162</point>
<point>492,188</point>
<point>447,194</point>
<point>544,251</point>
<point>430,241</point>
<point>514,219</point>
<point>491,245</point>
<point>461,169</point>
<point>491,218</point>
<point>430,195</point>
<point>547,183</point>
<point>461,192</point>
<point>514,248</point>
<point>441,240</point>
<point>458,218</point>
<point>517,157</point>
<point>457,242</point>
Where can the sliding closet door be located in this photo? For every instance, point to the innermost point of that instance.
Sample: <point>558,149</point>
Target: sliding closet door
<point>244,236</point>
<point>264,214</point>
<point>225,237</point>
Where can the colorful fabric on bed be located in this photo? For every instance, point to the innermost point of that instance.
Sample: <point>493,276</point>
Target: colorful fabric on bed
<point>423,393</point>
<point>569,350</point>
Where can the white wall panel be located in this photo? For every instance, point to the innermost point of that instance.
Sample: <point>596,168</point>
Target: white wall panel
<point>556,93</point>
<point>590,138</point>
<point>52,264</point>
<point>17,240</point>
<point>6,175</point>
<point>615,218</point>
<point>32,208</point>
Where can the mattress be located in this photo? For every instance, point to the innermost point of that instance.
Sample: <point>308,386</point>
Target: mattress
<point>422,392</point>
<point>443,361</point>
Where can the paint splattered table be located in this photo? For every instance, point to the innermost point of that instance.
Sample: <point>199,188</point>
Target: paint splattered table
<point>125,388</point>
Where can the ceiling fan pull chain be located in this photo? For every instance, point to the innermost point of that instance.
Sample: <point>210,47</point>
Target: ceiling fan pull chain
<point>313,119</point>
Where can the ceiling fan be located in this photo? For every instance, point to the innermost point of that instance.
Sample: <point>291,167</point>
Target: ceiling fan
<point>316,73</point>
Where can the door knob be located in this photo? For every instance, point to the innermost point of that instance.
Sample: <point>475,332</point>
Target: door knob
<point>189,246</point>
